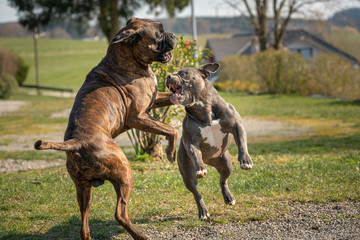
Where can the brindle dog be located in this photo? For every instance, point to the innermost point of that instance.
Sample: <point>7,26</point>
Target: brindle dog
<point>116,96</point>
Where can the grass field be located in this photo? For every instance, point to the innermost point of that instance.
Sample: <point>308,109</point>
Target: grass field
<point>62,63</point>
<point>321,165</point>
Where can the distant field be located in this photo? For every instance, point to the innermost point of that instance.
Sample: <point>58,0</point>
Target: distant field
<point>65,63</point>
<point>62,63</point>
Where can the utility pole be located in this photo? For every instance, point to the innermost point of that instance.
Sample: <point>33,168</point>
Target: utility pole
<point>194,30</point>
<point>35,37</point>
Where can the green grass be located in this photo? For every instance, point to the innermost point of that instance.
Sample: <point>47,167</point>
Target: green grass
<point>35,116</point>
<point>42,204</point>
<point>292,106</point>
<point>320,167</point>
<point>62,63</point>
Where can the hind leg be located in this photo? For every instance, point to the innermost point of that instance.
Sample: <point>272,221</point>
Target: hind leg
<point>122,180</point>
<point>83,193</point>
<point>224,166</point>
<point>188,172</point>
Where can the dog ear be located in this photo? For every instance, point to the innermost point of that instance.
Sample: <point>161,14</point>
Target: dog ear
<point>128,36</point>
<point>209,68</point>
<point>130,20</point>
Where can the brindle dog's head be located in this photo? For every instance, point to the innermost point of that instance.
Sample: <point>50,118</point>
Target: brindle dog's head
<point>146,40</point>
<point>188,84</point>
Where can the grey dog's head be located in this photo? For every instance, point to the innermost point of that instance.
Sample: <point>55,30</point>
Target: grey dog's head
<point>146,39</point>
<point>188,84</point>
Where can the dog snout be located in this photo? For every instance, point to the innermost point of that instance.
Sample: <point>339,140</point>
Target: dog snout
<point>172,36</point>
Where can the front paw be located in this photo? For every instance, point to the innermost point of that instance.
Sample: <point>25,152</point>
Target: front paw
<point>201,173</point>
<point>204,214</point>
<point>245,161</point>
<point>170,154</point>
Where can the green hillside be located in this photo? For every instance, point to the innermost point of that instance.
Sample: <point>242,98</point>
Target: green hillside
<point>62,63</point>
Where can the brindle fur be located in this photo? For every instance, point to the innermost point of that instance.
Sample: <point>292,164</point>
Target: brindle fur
<point>116,96</point>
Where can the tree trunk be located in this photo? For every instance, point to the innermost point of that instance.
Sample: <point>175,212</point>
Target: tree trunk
<point>262,31</point>
<point>109,18</point>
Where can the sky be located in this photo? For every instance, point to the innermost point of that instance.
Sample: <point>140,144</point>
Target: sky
<point>202,8</point>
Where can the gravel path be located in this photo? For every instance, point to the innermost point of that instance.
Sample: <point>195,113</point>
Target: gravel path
<point>338,220</point>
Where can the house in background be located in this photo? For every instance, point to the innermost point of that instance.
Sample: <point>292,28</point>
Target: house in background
<point>300,41</point>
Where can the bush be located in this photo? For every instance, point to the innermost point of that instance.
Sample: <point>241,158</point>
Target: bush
<point>281,72</point>
<point>285,72</point>
<point>13,72</point>
<point>237,73</point>
<point>333,76</point>
<point>22,71</point>
<point>7,86</point>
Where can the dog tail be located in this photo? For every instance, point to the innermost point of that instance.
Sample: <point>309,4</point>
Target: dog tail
<point>69,145</point>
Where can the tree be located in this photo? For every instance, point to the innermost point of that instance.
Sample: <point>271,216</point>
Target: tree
<point>283,11</point>
<point>109,13</point>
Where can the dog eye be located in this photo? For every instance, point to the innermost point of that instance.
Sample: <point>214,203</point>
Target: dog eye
<point>183,74</point>
<point>158,36</point>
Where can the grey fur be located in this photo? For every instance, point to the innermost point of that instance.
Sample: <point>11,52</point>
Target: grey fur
<point>208,127</point>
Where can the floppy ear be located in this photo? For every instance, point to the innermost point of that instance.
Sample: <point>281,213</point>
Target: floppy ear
<point>127,36</point>
<point>130,20</point>
<point>209,68</point>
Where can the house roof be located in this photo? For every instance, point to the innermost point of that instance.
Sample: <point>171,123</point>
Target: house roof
<point>222,47</point>
<point>294,35</point>
<point>240,44</point>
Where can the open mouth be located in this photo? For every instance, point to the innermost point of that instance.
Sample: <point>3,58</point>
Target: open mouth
<point>165,57</point>
<point>177,93</point>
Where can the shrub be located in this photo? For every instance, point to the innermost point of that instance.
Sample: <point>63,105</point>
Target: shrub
<point>281,72</point>
<point>285,72</point>
<point>13,72</point>
<point>267,72</point>
<point>333,76</point>
<point>22,71</point>
<point>238,73</point>
<point>8,62</point>
<point>7,86</point>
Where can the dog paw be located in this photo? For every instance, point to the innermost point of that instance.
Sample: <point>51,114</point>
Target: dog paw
<point>170,154</point>
<point>204,214</point>
<point>201,173</point>
<point>245,162</point>
<point>229,199</point>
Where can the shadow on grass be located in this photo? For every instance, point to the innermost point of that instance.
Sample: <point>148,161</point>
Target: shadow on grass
<point>315,145</point>
<point>345,103</point>
<point>71,230</point>
<point>99,229</point>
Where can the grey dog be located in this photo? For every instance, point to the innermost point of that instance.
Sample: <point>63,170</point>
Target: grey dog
<point>207,128</point>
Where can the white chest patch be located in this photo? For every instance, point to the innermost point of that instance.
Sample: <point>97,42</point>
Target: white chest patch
<point>213,135</point>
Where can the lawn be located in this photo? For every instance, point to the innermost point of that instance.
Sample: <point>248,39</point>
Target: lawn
<point>320,166</point>
<point>62,63</point>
